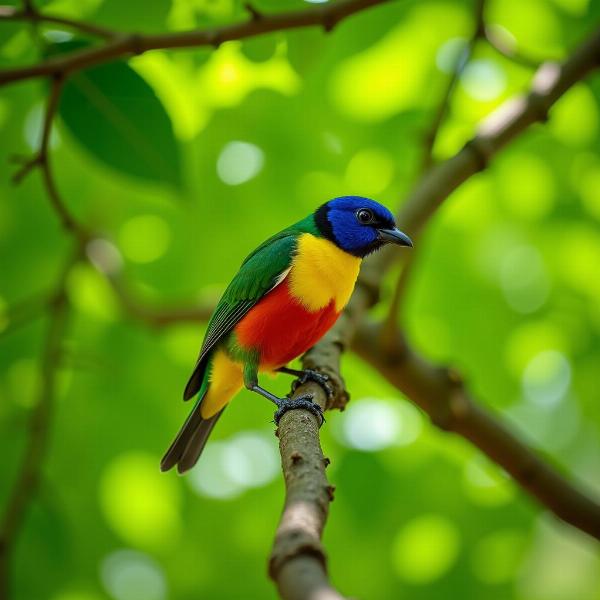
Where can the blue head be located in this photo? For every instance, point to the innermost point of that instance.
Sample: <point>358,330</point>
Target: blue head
<point>358,225</point>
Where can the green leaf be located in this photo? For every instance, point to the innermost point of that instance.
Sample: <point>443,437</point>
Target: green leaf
<point>116,116</point>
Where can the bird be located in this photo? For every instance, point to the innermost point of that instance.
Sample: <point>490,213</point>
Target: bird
<point>286,295</point>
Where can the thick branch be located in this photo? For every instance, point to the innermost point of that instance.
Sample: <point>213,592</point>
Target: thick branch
<point>505,124</point>
<point>326,16</point>
<point>511,119</point>
<point>298,564</point>
<point>442,395</point>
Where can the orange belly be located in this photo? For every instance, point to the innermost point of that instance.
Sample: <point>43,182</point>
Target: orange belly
<point>280,328</point>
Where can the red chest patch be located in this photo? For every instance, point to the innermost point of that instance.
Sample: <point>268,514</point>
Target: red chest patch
<point>281,328</point>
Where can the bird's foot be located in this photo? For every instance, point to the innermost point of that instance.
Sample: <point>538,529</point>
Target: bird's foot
<point>311,375</point>
<point>304,402</point>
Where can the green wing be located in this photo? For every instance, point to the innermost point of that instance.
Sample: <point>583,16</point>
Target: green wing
<point>260,272</point>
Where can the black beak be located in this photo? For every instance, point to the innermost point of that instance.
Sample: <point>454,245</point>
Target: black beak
<point>394,236</point>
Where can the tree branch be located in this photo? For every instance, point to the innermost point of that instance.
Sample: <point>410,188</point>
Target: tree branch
<point>30,471</point>
<point>442,395</point>
<point>507,122</point>
<point>462,60</point>
<point>160,316</point>
<point>325,15</point>
<point>32,14</point>
<point>298,563</point>
<point>41,160</point>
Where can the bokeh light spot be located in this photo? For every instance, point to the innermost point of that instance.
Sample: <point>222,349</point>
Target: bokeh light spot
<point>239,162</point>
<point>528,186</point>
<point>129,575</point>
<point>229,467</point>
<point>145,238</point>
<point>547,378</point>
<point>530,339</point>
<point>141,504</point>
<point>394,73</point>
<point>369,172</point>
<point>425,549</point>
<point>372,424</point>
<point>574,118</point>
<point>251,459</point>
<point>483,79</point>
<point>524,280</point>
<point>91,293</point>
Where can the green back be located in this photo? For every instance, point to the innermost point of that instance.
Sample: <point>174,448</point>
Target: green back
<point>259,273</point>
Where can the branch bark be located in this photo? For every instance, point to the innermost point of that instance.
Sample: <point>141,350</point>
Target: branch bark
<point>298,563</point>
<point>443,396</point>
<point>326,16</point>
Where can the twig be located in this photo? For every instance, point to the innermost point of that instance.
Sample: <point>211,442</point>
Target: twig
<point>462,60</point>
<point>442,395</point>
<point>41,160</point>
<point>29,473</point>
<point>158,317</point>
<point>24,312</point>
<point>326,16</point>
<point>32,14</point>
<point>429,140</point>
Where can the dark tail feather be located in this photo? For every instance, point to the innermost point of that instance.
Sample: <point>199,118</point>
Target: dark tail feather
<point>190,441</point>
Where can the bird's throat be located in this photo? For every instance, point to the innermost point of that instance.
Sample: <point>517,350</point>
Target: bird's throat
<point>321,272</point>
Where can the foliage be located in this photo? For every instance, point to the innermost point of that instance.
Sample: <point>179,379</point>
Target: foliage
<point>253,136</point>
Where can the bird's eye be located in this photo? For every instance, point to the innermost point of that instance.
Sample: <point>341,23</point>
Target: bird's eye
<point>364,216</point>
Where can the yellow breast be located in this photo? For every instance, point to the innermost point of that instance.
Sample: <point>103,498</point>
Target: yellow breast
<point>321,272</point>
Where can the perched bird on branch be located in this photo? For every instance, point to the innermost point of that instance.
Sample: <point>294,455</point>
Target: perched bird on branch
<point>284,298</point>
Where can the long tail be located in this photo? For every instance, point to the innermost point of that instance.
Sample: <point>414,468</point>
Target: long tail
<point>190,441</point>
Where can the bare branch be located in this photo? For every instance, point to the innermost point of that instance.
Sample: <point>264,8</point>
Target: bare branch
<point>29,473</point>
<point>326,16</point>
<point>32,14</point>
<point>158,317</point>
<point>24,312</point>
<point>462,60</point>
<point>41,160</point>
<point>442,395</point>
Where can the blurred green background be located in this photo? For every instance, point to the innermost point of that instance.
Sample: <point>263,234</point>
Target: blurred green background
<point>186,161</point>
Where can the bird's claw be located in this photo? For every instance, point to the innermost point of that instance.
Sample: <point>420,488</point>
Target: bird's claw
<point>304,402</point>
<point>320,378</point>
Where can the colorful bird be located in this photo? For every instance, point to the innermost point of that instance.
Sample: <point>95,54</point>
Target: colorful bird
<point>284,298</point>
